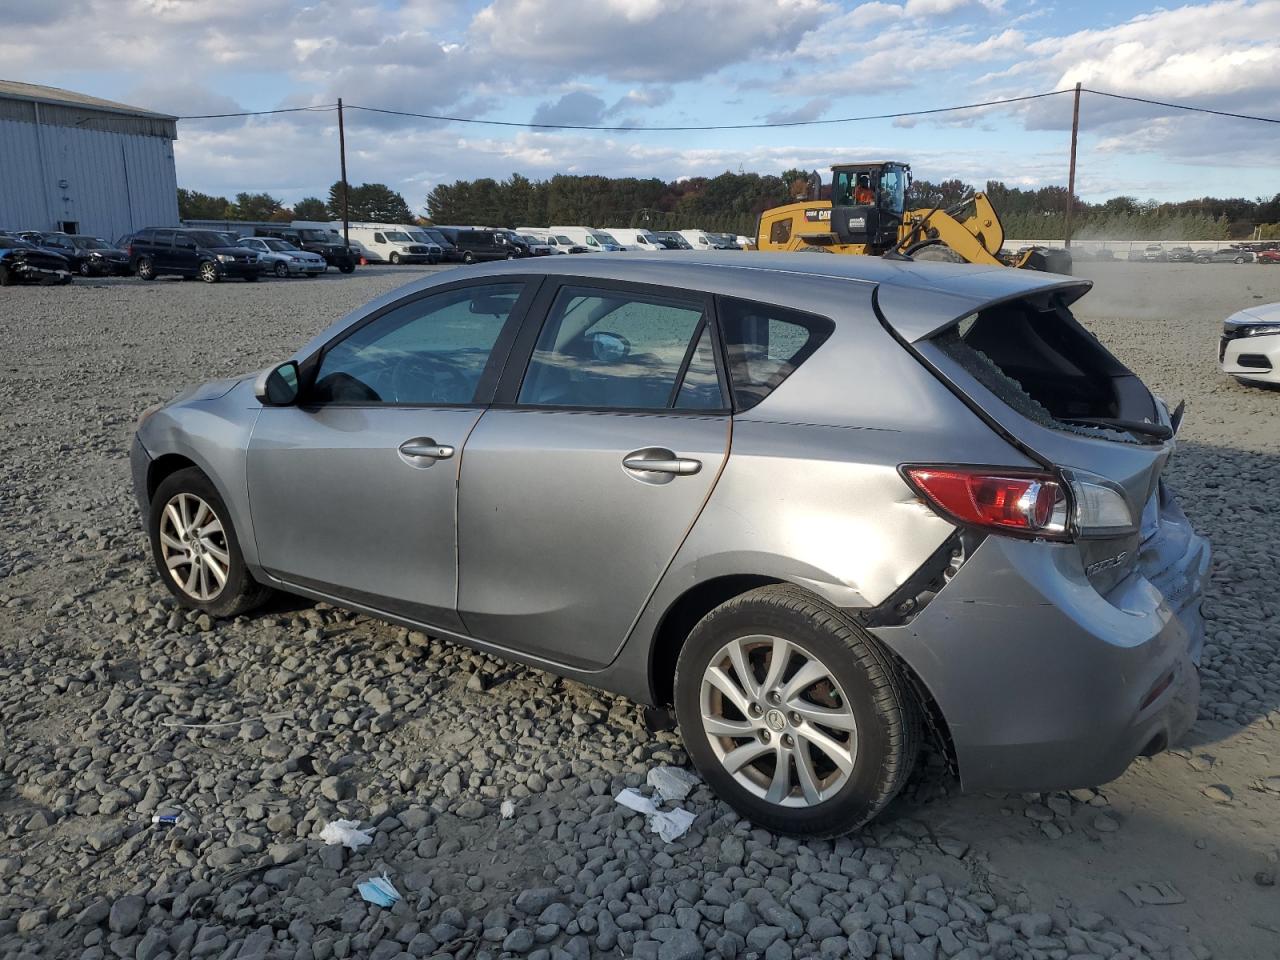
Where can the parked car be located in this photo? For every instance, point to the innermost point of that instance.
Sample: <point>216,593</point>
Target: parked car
<point>596,241</point>
<point>207,254</point>
<point>448,252</point>
<point>392,244</point>
<point>1224,255</point>
<point>87,256</point>
<point>284,259</point>
<point>1250,346</point>
<point>20,262</point>
<point>1102,253</point>
<point>515,243</point>
<point>321,240</point>
<point>1181,255</point>
<point>969,542</point>
<point>634,238</point>
<point>1268,256</point>
<point>475,245</point>
<point>1154,253</point>
<point>539,247</point>
<point>672,240</point>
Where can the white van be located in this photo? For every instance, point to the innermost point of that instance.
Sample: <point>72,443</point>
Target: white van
<point>634,239</point>
<point>699,239</point>
<point>559,242</point>
<point>392,243</point>
<point>596,241</point>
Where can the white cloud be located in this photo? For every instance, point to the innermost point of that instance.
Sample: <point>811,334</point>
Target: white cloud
<point>573,109</point>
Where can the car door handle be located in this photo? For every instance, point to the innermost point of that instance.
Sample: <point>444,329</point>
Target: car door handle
<point>660,460</point>
<point>424,448</point>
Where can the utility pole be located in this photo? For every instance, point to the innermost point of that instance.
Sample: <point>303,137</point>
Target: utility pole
<point>1071,175</point>
<point>342,157</point>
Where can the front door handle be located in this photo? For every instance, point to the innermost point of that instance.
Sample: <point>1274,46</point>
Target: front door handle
<point>659,465</point>
<point>424,448</point>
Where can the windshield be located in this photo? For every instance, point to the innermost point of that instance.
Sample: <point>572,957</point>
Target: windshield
<point>529,238</point>
<point>561,238</point>
<point>91,243</point>
<point>420,237</point>
<point>279,246</point>
<point>605,237</point>
<point>207,238</point>
<point>9,243</point>
<point>438,237</point>
<point>398,236</point>
<point>315,236</point>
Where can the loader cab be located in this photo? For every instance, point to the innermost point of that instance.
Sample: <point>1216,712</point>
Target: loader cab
<point>868,201</point>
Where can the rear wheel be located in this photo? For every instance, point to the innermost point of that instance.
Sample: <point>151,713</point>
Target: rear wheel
<point>468,258</point>
<point>85,269</point>
<point>347,268</point>
<point>1238,260</point>
<point>793,714</point>
<point>209,272</point>
<point>195,547</point>
<point>146,268</point>
<point>281,268</point>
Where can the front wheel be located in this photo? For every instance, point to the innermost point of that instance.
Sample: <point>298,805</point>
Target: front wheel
<point>793,714</point>
<point>347,268</point>
<point>1238,260</point>
<point>209,272</point>
<point>85,269</point>
<point>395,259</point>
<point>195,549</point>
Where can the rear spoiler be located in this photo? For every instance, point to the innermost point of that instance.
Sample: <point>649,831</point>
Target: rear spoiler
<point>917,313</point>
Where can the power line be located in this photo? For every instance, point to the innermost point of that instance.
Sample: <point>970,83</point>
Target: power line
<point>1182,106</point>
<point>767,125</point>
<point>708,126</point>
<point>322,108</point>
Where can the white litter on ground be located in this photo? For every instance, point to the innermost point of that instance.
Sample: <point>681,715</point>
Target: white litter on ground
<point>508,809</point>
<point>345,832</point>
<point>379,890</point>
<point>669,826</point>
<point>672,783</point>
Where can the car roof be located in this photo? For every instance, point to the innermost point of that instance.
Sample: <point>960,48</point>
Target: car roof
<point>917,299</point>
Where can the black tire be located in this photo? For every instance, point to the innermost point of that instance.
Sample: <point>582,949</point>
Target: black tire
<point>146,269</point>
<point>6,278</point>
<point>311,276</point>
<point>1238,260</point>
<point>883,706</point>
<point>511,256</point>
<point>281,269</point>
<point>252,277</point>
<point>347,268</point>
<point>85,269</point>
<point>468,258</point>
<point>934,251</point>
<point>65,280</point>
<point>208,272</point>
<point>395,259</point>
<point>241,593</point>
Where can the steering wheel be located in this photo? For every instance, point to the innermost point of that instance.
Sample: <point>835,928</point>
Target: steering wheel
<point>423,378</point>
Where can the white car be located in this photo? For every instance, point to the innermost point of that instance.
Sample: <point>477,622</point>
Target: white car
<point>284,259</point>
<point>1250,346</point>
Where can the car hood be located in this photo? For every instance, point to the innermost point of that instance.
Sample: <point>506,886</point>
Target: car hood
<point>213,390</point>
<point>235,250</point>
<point>1263,313</point>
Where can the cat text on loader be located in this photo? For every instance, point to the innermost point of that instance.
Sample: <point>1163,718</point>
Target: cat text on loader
<point>867,215</point>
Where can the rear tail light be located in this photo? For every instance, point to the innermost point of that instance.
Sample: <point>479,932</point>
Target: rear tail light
<point>1005,501</point>
<point>1053,506</point>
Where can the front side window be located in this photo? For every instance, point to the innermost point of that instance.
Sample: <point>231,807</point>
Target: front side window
<point>780,232</point>
<point>619,350</point>
<point>429,351</point>
<point>764,344</point>
<point>398,236</point>
<point>379,238</point>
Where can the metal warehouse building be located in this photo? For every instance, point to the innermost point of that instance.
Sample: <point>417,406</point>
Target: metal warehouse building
<point>80,164</point>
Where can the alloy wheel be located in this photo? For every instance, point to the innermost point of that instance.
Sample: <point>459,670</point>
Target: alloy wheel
<point>778,721</point>
<point>193,545</point>
<point>208,272</point>
<point>281,268</point>
<point>146,269</point>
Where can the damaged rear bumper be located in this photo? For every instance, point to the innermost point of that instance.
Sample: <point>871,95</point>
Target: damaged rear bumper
<point>1046,684</point>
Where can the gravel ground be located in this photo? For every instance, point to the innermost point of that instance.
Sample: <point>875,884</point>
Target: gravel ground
<point>114,706</point>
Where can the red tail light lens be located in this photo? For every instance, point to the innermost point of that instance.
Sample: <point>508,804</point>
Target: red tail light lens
<point>1013,502</point>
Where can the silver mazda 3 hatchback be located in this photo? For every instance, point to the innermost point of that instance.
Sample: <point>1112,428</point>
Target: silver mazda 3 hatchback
<point>821,505</point>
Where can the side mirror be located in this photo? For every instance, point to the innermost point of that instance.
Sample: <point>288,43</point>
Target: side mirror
<point>278,387</point>
<point>609,347</point>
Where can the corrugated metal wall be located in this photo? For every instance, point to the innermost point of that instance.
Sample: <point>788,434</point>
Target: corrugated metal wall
<point>115,182</point>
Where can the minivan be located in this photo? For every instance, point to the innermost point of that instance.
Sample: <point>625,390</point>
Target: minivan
<point>475,245</point>
<point>211,256</point>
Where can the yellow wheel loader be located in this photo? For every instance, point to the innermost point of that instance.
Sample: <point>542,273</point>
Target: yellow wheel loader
<point>867,215</point>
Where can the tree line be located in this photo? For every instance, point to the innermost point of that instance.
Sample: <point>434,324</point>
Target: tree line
<point>374,202</point>
<point>732,202</point>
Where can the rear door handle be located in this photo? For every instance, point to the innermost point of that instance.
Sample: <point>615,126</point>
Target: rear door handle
<point>424,448</point>
<point>659,465</point>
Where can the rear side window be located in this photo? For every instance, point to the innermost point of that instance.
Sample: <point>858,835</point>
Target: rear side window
<point>765,344</point>
<point>1043,364</point>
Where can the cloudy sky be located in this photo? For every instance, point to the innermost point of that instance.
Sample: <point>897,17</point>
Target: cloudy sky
<point>654,63</point>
